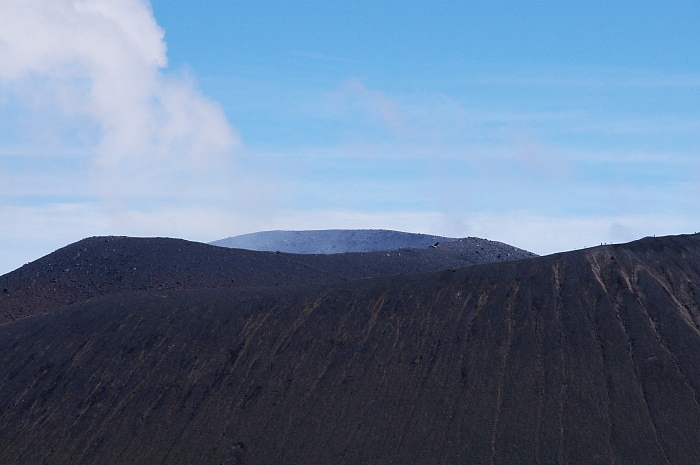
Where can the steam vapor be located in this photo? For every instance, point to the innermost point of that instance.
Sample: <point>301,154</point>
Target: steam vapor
<point>101,65</point>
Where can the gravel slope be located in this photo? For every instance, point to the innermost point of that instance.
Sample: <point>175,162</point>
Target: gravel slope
<point>99,266</point>
<point>585,357</point>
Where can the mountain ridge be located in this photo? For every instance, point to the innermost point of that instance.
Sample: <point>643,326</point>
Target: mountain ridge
<point>587,356</point>
<point>102,265</point>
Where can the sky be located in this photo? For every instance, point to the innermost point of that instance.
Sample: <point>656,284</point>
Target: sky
<point>551,126</point>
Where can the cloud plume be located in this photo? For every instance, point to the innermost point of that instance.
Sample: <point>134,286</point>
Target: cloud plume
<point>101,65</point>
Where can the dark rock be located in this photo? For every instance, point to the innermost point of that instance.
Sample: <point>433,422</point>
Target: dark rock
<point>235,455</point>
<point>131,263</point>
<point>569,358</point>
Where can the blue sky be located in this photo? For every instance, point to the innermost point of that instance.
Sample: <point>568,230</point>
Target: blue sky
<point>547,125</point>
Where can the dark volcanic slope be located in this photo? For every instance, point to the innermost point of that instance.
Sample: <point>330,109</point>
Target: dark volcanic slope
<point>104,265</point>
<point>588,357</point>
<point>331,241</point>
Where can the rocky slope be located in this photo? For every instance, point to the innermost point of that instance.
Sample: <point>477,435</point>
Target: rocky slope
<point>583,357</point>
<point>104,265</point>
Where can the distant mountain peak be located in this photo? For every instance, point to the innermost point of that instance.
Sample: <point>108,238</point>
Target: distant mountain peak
<point>330,241</point>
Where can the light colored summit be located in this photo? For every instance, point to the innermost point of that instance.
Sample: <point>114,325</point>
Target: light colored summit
<point>330,241</point>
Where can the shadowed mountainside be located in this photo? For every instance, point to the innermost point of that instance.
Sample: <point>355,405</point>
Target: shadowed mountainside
<point>105,265</point>
<point>582,357</point>
<point>327,241</point>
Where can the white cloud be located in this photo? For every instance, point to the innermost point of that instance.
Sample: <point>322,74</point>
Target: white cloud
<point>99,64</point>
<point>92,37</point>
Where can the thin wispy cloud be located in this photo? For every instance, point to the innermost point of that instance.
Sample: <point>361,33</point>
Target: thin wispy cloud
<point>370,105</point>
<point>320,56</point>
<point>590,77</point>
